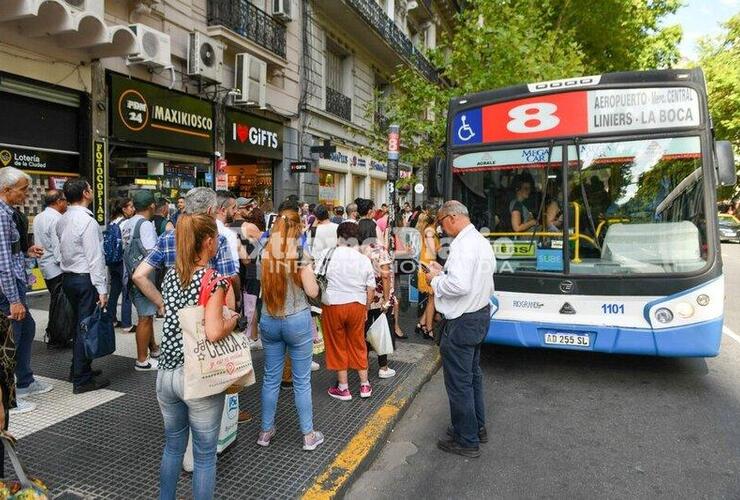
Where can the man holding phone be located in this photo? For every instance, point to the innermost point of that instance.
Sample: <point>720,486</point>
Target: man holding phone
<point>462,292</point>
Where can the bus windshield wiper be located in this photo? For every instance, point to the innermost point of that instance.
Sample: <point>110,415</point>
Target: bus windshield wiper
<point>586,204</point>
<point>550,148</point>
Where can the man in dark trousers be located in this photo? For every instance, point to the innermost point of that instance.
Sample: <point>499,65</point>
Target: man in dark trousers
<point>462,293</point>
<point>85,275</point>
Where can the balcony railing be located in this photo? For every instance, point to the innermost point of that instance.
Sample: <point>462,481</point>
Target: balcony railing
<point>338,104</point>
<point>376,17</point>
<point>249,21</point>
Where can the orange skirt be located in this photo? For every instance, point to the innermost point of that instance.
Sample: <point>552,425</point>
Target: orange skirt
<point>344,336</point>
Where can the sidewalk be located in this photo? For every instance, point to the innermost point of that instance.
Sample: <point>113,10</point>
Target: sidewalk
<point>108,444</point>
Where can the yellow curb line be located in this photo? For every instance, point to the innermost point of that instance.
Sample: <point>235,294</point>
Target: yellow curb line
<point>349,459</point>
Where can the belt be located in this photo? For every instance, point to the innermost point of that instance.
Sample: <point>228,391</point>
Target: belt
<point>84,275</point>
<point>485,309</point>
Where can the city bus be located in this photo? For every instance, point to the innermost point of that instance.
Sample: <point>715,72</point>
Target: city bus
<point>598,196</point>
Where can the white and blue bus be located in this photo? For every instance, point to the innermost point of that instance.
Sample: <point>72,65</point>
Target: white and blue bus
<point>598,195</point>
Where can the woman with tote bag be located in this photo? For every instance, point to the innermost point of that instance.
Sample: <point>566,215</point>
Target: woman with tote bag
<point>196,243</point>
<point>286,325</point>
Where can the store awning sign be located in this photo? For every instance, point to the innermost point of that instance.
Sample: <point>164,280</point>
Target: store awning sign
<point>254,136</point>
<point>100,174</point>
<point>145,113</point>
<point>39,161</point>
<point>300,167</point>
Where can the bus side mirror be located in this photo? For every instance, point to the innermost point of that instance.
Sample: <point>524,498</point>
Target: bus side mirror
<point>726,173</point>
<point>437,177</point>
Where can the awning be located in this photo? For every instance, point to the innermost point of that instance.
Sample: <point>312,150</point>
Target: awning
<point>68,26</point>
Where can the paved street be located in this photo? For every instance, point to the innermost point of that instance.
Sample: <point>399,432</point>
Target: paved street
<point>581,425</point>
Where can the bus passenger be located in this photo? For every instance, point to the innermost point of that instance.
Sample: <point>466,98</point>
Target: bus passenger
<point>521,218</point>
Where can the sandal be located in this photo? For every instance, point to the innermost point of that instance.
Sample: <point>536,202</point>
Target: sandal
<point>401,336</point>
<point>428,334</point>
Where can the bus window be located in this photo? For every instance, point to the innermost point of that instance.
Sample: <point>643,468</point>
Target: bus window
<point>637,207</point>
<point>515,199</point>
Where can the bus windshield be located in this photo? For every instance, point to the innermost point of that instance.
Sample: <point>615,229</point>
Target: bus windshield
<point>624,207</point>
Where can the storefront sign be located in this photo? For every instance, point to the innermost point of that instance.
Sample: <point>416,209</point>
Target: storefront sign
<point>43,161</point>
<point>149,114</point>
<point>145,182</point>
<point>100,176</point>
<point>221,165</point>
<point>250,135</point>
<point>222,181</point>
<point>300,167</point>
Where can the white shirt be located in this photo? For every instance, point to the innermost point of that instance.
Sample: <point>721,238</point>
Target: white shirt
<point>81,246</point>
<point>349,275</point>
<point>45,234</point>
<point>147,232</point>
<point>326,237</point>
<point>467,283</point>
<point>232,239</point>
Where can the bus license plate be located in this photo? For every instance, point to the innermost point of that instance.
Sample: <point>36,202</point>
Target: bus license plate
<point>568,339</point>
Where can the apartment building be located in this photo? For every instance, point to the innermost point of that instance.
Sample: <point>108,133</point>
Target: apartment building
<point>171,94</point>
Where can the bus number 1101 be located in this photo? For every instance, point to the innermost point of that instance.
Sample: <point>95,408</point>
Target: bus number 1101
<point>612,308</point>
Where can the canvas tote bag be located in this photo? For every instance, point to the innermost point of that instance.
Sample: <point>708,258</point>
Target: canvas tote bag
<point>211,367</point>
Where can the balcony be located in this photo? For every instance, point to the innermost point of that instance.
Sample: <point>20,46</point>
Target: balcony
<point>243,18</point>
<point>338,104</point>
<point>374,15</point>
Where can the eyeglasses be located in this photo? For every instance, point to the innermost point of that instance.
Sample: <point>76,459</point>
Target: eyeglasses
<point>439,221</point>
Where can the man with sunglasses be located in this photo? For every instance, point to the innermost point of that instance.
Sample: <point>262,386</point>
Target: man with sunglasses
<point>462,292</point>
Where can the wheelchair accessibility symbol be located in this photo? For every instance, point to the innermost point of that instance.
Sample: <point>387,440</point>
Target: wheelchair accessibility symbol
<point>465,133</point>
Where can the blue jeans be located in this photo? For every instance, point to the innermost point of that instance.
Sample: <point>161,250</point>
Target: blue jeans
<point>117,289</point>
<point>460,348</point>
<point>23,333</point>
<point>83,298</point>
<point>202,417</point>
<point>292,333</point>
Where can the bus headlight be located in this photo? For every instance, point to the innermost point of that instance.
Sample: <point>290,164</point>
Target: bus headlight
<point>703,299</point>
<point>684,309</point>
<point>664,315</point>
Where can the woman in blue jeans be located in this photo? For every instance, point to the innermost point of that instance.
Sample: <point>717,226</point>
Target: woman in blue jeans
<point>285,323</point>
<point>196,243</point>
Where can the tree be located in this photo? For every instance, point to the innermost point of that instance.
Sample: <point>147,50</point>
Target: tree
<point>719,57</point>
<point>506,42</point>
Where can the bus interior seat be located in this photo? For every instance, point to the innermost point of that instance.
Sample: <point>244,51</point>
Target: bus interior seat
<point>667,243</point>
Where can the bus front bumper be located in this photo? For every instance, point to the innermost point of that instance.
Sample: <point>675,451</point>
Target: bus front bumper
<point>696,340</point>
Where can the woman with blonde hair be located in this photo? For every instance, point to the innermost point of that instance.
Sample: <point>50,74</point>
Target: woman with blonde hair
<point>287,278</point>
<point>196,242</point>
<point>428,253</point>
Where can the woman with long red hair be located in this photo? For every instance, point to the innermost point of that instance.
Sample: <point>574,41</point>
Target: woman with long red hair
<point>287,278</point>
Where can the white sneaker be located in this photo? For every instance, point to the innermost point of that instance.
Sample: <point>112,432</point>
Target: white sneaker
<point>387,373</point>
<point>36,387</point>
<point>23,406</point>
<point>151,364</point>
<point>255,344</point>
<point>315,366</point>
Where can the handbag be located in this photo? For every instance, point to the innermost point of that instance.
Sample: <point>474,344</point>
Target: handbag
<point>379,336</point>
<point>211,367</point>
<point>322,280</point>
<point>23,487</point>
<point>98,334</point>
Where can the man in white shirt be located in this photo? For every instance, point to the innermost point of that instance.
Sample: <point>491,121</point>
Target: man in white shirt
<point>462,293</point>
<point>225,215</point>
<point>139,238</point>
<point>85,277</point>
<point>45,235</point>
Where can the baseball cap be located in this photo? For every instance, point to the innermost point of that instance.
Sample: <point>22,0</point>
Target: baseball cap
<point>142,199</point>
<point>243,202</point>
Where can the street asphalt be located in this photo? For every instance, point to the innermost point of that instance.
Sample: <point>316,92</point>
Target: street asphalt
<point>576,425</point>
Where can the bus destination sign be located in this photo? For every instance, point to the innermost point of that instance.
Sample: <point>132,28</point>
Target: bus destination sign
<point>578,113</point>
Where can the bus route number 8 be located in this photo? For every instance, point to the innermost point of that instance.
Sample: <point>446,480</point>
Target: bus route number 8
<point>533,117</point>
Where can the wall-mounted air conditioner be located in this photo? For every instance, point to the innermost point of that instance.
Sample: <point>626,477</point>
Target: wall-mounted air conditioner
<point>205,57</point>
<point>94,6</point>
<point>154,47</point>
<point>281,9</point>
<point>250,79</point>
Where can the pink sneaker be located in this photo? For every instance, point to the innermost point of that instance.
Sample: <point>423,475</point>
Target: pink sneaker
<point>340,394</point>
<point>366,390</point>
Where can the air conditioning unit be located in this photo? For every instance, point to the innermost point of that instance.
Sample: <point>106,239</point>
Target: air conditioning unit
<point>250,79</point>
<point>155,47</point>
<point>281,9</point>
<point>94,6</point>
<point>205,57</point>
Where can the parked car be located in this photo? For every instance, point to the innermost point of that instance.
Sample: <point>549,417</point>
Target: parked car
<point>729,217</point>
<point>729,230</point>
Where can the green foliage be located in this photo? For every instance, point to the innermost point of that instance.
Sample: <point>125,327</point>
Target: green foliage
<point>506,42</point>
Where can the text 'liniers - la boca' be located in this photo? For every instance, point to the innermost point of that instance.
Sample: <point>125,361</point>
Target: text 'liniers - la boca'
<point>651,108</point>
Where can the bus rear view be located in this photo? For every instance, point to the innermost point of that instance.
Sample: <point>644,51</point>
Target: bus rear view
<point>598,197</point>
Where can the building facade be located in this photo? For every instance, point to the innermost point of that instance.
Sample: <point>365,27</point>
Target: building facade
<point>171,94</point>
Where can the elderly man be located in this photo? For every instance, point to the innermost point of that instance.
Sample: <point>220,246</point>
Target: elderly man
<point>462,293</point>
<point>352,214</point>
<point>45,235</point>
<point>14,283</point>
<point>85,275</point>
